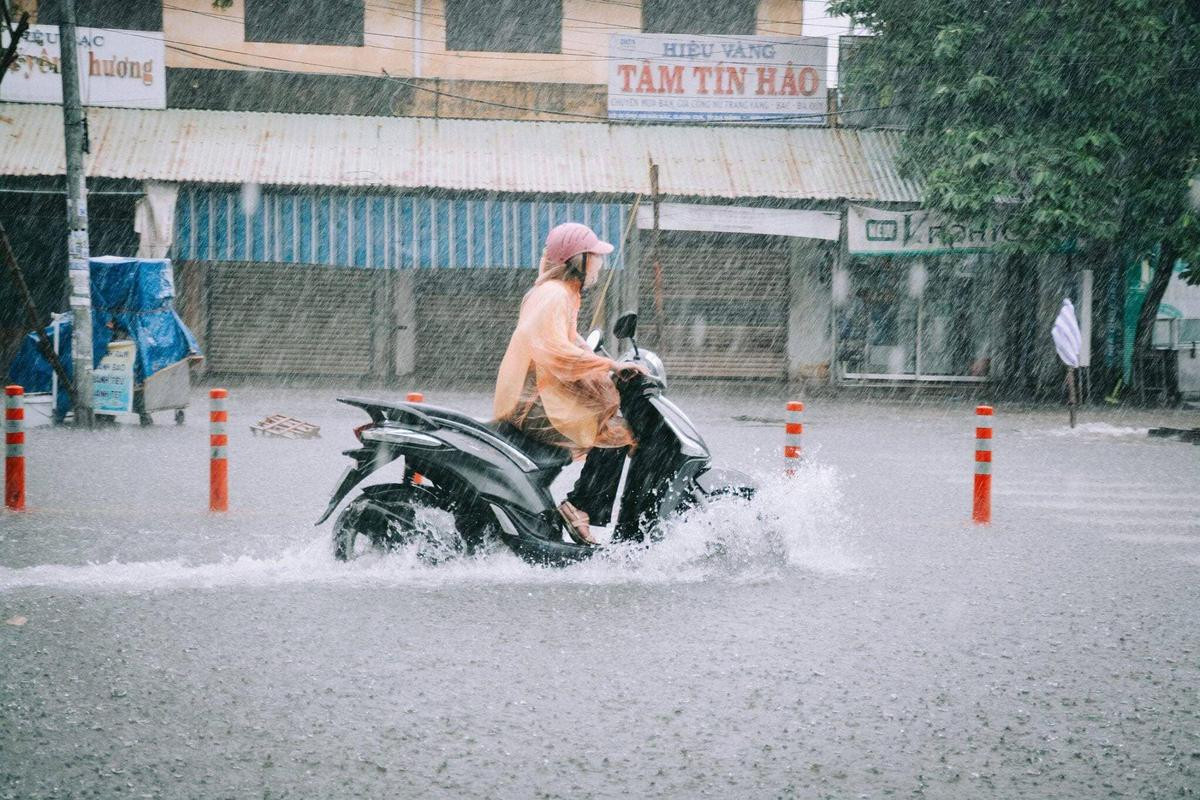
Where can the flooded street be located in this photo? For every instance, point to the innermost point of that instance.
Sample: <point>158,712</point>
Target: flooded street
<point>888,211</point>
<point>848,633</point>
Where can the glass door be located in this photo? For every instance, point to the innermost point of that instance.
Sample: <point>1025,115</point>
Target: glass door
<point>916,318</point>
<point>955,317</point>
<point>877,323</point>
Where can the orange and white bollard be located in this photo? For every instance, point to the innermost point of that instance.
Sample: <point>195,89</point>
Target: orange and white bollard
<point>14,448</point>
<point>793,430</point>
<point>981,511</point>
<point>415,397</point>
<point>218,444</point>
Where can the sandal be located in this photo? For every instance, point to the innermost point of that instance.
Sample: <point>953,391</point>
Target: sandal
<point>577,523</point>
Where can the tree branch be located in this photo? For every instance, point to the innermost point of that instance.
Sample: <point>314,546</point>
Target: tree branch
<point>10,54</point>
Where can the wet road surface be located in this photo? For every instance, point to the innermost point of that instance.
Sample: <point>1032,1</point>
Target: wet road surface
<point>847,634</point>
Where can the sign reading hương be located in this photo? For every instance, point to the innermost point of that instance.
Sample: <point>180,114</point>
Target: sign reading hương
<point>124,69</point>
<point>881,232</point>
<point>744,78</point>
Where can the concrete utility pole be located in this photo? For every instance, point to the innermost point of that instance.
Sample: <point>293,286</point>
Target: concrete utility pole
<point>77,220</point>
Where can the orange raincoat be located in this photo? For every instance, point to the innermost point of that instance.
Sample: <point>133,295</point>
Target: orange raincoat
<point>550,384</point>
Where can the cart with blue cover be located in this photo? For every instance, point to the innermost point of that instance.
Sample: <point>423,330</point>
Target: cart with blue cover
<point>133,307</point>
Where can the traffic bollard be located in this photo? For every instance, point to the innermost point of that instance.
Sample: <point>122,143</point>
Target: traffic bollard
<point>981,511</point>
<point>793,429</point>
<point>218,443</point>
<point>14,448</point>
<point>415,397</point>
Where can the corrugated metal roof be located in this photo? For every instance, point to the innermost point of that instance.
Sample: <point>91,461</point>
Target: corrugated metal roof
<point>487,155</point>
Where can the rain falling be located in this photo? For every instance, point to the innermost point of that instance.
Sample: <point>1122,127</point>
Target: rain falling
<point>600,398</point>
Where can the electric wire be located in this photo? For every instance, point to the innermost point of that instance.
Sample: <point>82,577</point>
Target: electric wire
<point>509,106</point>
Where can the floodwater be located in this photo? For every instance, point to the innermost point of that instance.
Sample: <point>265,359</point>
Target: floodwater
<point>847,634</point>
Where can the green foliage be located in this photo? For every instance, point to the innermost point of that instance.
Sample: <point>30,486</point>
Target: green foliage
<point>1080,118</point>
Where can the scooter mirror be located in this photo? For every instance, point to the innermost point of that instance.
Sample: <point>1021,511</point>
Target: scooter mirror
<point>626,326</point>
<point>593,340</point>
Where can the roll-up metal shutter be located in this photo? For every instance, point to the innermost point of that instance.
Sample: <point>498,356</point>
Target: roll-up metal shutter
<point>724,304</point>
<point>271,319</point>
<point>465,319</point>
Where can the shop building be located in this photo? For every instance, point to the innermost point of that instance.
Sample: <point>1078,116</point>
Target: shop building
<point>326,217</point>
<point>379,247</point>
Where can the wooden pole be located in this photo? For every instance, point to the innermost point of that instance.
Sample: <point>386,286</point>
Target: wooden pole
<point>1072,396</point>
<point>600,312</point>
<point>654,259</point>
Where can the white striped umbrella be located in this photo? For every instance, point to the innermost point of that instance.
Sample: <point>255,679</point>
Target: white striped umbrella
<point>1067,339</point>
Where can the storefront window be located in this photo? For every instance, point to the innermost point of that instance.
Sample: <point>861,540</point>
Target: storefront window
<point>906,318</point>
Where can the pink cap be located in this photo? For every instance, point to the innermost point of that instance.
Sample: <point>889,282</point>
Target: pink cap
<point>571,239</point>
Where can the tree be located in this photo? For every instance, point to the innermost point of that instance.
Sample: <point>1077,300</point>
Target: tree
<point>1079,120</point>
<point>12,33</point>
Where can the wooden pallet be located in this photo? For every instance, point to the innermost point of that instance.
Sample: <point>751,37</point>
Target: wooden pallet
<point>286,427</point>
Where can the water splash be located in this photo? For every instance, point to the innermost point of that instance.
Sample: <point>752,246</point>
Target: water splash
<point>795,524</point>
<point>1096,429</point>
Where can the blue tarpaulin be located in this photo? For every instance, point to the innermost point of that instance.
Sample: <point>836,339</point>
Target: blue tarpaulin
<point>131,298</point>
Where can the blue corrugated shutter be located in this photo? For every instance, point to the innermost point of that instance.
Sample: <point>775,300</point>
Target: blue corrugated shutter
<point>380,231</point>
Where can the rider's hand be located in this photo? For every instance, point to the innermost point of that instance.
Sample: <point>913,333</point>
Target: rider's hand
<point>627,371</point>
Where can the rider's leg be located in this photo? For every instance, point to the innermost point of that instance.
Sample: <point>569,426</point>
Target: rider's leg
<point>596,490</point>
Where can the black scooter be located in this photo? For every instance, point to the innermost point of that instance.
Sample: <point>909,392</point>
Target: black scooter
<point>468,482</point>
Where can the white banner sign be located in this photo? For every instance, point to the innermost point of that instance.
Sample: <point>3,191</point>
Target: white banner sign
<point>112,380</point>
<point>125,69</point>
<point>740,219</point>
<point>876,231</point>
<point>746,78</point>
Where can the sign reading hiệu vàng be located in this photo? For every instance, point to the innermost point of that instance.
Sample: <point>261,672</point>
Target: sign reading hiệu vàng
<point>744,78</point>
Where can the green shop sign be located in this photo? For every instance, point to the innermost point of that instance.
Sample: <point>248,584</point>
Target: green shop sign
<point>880,232</point>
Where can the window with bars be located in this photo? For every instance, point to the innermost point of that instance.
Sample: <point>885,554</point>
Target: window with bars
<point>508,26</point>
<point>333,22</point>
<point>700,17</point>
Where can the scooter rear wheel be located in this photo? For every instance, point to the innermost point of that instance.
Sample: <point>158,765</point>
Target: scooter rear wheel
<point>398,516</point>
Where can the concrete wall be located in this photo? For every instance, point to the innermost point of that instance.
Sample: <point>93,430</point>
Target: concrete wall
<point>405,45</point>
<point>809,343</point>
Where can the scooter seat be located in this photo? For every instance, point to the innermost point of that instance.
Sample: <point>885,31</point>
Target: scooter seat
<point>546,456</point>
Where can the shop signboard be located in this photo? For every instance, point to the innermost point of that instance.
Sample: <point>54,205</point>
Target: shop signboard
<point>742,219</point>
<point>882,232</point>
<point>124,69</point>
<point>742,78</point>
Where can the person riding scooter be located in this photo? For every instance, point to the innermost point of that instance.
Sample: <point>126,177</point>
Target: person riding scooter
<point>555,389</point>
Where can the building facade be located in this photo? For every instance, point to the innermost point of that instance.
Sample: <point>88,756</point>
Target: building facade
<point>361,189</point>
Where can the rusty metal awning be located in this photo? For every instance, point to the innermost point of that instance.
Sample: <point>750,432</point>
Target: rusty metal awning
<point>229,147</point>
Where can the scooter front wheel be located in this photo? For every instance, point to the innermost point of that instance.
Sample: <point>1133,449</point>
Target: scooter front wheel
<point>388,518</point>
